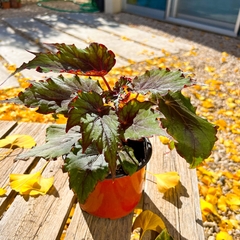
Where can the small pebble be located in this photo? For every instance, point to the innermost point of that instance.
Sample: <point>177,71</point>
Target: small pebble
<point>238,218</point>
<point>211,238</point>
<point>209,224</point>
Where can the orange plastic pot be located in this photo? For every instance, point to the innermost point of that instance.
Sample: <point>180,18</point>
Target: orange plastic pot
<point>117,198</point>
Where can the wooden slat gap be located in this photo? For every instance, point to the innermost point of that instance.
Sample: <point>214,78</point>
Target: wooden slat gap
<point>65,224</point>
<point>7,203</point>
<point>9,130</point>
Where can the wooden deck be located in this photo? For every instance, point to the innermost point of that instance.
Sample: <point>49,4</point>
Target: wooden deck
<point>44,217</point>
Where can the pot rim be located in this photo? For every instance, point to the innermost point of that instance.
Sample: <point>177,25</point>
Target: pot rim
<point>142,162</point>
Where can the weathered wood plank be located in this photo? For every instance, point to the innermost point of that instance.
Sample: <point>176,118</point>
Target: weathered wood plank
<point>179,207</point>
<point>7,165</point>
<point>42,217</point>
<point>85,226</point>
<point>6,127</point>
<point>45,216</point>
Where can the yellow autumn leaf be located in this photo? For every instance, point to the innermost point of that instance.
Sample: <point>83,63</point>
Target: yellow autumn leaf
<point>31,184</point>
<point>164,140</point>
<point>2,192</point>
<point>228,224</point>
<point>222,124</point>
<point>213,199</point>
<point>208,103</point>
<point>165,181</point>
<point>222,205</point>
<point>209,69</point>
<point>148,220</point>
<point>236,190</point>
<point>207,208</point>
<point>223,236</point>
<point>45,184</point>
<point>232,199</point>
<point>203,189</point>
<point>22,141</point>
<point>124,38</point>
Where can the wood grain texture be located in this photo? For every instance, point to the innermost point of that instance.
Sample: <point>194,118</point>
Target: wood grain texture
<point>87,227</point>
<point>44,217</point>
<point>40,217</point>
<point>8,165</point>
<point>178,207</point>
<point>6,127</point>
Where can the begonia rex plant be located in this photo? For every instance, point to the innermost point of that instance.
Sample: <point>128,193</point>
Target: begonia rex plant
<point>102,118</point>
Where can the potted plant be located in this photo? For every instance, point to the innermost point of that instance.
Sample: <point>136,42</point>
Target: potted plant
<point>104,143</point>
<point>5,4</point>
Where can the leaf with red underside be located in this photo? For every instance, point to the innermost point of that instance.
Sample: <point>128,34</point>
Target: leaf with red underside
<point>129,111</point>
<point>95,60</point>
<point>85,103</point>
<point>136,119</point>
<point>160,81</point>
<point>54,94</point>
<point>195,136</point>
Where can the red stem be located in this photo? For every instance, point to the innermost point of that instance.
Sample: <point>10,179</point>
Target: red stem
<point>105,81</point>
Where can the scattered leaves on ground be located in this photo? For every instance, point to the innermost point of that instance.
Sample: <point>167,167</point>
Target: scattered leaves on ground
<point>217,99</point>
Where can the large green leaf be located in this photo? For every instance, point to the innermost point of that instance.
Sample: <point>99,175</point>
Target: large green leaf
<point>98,124</point>
<point>85,170</point>
<point>95,60</point>
<point>129,111</point>
<point>58,143</point>
<point>54,94</point>
<point>86,103</point>
<point>102,130</point>
<point>195,136</point>
<point>145,124</point>
<point>160,81</point>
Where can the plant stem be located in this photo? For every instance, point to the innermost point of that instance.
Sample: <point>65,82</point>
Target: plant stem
<point>44,166</point>
<point>105,81</point>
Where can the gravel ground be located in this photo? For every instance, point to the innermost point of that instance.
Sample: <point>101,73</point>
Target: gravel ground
<point>215,60</point>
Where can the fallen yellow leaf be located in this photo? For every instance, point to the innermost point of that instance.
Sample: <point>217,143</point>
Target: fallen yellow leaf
<point>232,199</point>
<point>2,192</point>
<point>222,205</point>
<point>209,69</point>
<point>31,184</point>
<point>22,141</point>
<point>208,103</point>
<point>223,236</point>
<point>148,220</point>
<point>164,140</point>
<point>165,181</point>
<point>207,208</point>
<point>222,124</point>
